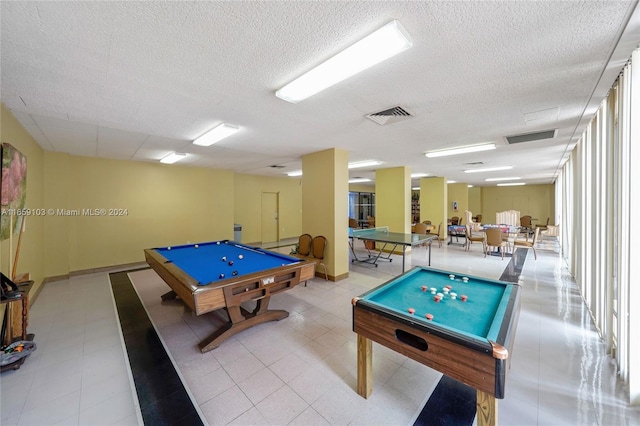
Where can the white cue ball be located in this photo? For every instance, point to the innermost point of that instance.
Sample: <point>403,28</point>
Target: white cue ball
<point>240,256</point>
<point>218,242</point>
<point>196,246</point>
<point>168,248</point>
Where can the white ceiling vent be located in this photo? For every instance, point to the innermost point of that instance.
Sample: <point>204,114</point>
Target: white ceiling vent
<point>389,116</point>
<point>528,137</point>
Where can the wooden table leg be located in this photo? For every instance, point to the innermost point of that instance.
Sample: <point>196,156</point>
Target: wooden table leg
<point>487,409</point>
<point>365,369</point>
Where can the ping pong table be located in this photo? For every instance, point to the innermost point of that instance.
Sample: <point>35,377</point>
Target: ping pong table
<point>382,235</point>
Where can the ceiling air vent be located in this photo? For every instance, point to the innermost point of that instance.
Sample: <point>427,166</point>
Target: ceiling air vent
<point>389,116</point>
<point>276,166</point>
<point>528,137</point>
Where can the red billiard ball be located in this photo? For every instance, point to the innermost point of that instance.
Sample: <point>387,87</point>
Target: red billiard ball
<point>437,298</point>
<point>424,288</point>
<point>411,311</point>
<point>463,298</point>
<point>429,317</point>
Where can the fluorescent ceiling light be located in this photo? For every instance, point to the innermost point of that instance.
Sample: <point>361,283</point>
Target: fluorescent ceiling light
<point>451,181</point>
<point>489,169</point>
<point>359,180</point>
<point>461,150</point>
<point>419,175</point>
<point>512,184</point>
<point>216,134</point>
<point>173,157</point>
<point>502,178</point>
<point>295,173</point>
<point>469,186</point>
<point>367,163</point>
<point>374,48</point>
<point>415,188</point>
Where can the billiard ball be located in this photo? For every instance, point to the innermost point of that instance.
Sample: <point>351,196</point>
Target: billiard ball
<point>451,276</point>
<point>429,317</point>
<point>224,258</point>
<point>463,298</point>
<point>411,311</point>
<point>221,276</point>
<point>217,242</point>
<point>240,256</point>
<point>235,273</point>
<point>168,248</point>
<point>424,288</point>
<point>196,246</point>
<point>230,262</point>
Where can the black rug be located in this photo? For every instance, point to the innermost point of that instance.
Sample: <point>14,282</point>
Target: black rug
<point>161,394</point>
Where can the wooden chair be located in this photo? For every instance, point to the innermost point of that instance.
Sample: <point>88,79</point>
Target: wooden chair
<point>455,220</point>
<point>437,234</point>
<point>420,228</point>
<point>372,221</point>
<point>353,223</point>
<point>494,239</point>
<point>318,245</point>
<point>525,223</point>
<point>477,218</point>
<point>543,227</point>
<point>529,244</point>
<point>304,246</point>
<point>475,239</point>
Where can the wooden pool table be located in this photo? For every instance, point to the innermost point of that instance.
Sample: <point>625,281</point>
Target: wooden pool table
<point>468,340</point>
<point>224,274</point>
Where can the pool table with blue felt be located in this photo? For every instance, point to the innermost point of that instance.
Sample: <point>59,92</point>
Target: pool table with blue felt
<point>469,340</point>
<point>224,274</point>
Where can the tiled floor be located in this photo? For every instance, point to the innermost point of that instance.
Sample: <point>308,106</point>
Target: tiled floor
<point>302,370</point>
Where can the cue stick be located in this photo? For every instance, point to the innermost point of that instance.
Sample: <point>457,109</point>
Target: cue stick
<point>15,261</point>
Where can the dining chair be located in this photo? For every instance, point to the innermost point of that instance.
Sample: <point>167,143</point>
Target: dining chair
<point>437,234</point>
<point>353,223</point>
<point>475,239</point>
<point>529,244</point>
<point>494,239</point>
<point>318,246</point>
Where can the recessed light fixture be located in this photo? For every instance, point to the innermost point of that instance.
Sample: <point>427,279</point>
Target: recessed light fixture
<point>359,180</point>
<point>511,184</point>
<point>469,186</point>
<point>489,169</point>
<point>502,178</point>
<point>216,134</point>
<point>419,175</point>
<point>461,150</point>
<point>295,173</point>
<point>173,157</point>
<point>367,163</point>
<point>451,181</point>
<point>374,48</point>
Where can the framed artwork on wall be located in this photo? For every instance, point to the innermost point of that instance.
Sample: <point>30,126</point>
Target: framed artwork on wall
<point>13,190</point>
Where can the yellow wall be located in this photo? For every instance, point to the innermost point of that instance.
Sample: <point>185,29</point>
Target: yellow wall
<point>248,191</point>
<point>538,201</point>
<point>324,203</point>
<point>475,200</point>
<point>161,205</point>
<point>360,187</point>
<point>458,192</point>
<point>393,198</point>
<point>433,196</point>
<point>32,247</point>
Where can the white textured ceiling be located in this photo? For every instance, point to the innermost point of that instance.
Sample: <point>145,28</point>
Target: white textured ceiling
<point>137,80</point>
